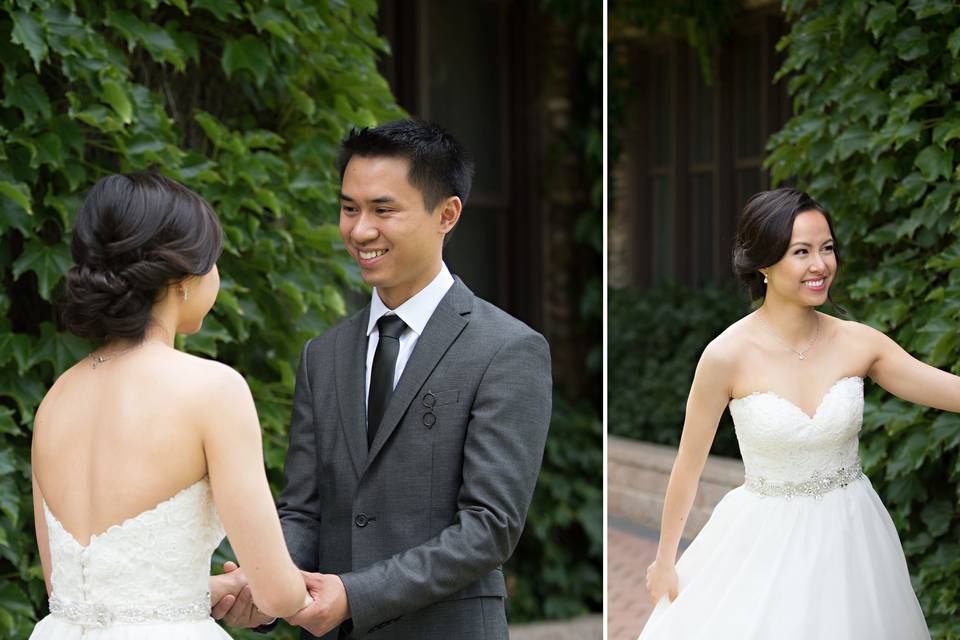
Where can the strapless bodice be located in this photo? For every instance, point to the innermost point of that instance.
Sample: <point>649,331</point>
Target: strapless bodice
<point>154,566</point>
<point>779,443</point>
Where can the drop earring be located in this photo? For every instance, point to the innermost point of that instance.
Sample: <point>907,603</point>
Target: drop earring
<point>764,280</point>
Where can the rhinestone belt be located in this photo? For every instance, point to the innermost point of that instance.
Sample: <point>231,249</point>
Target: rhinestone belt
<point>815,487</point>
<point>93,614</point>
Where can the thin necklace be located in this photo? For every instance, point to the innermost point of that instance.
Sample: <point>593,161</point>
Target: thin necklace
<point>100,359</point>
<point>802,354</point>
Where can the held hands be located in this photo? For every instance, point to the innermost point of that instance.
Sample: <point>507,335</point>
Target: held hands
<point>329,606</point>
<point>662,580</point>
<point>232,599</point>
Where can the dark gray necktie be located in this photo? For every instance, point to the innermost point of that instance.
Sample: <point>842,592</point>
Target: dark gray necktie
<point>381,375</point>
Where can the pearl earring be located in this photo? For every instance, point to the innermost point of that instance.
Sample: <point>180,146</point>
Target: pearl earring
<point>764,280</point>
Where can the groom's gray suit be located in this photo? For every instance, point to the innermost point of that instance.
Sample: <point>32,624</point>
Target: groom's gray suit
<point>419,526</point>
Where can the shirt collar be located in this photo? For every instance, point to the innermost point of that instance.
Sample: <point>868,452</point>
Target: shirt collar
<point>416,311</point>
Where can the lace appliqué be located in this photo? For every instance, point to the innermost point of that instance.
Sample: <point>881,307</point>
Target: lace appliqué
<point>815,487</point>
<point>796,454</point>
<point>152,567</point>
<point>93,614</point>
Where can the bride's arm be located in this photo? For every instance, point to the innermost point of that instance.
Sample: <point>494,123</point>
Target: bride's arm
<point>708,397</point>
<point>234,453</point>
<point>906,377</point>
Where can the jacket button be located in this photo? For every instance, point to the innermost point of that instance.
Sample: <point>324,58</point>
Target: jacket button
<point>429,400</point>
<point>429,419</point>
<point>361,520</point>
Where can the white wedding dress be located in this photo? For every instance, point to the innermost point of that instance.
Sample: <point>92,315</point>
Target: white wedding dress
<point>805,549</point>
<point>145,579</point>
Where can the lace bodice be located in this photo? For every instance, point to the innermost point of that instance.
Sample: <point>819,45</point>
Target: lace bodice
<point>780,443</point>
<point>153,566</point>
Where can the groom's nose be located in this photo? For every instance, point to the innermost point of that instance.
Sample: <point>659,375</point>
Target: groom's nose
<point>365,228</point>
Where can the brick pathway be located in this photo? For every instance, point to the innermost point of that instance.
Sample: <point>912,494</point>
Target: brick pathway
<point>585,628</point>
<point>630,550</point>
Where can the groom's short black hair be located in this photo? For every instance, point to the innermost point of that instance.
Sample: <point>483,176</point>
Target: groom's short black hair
<point>439,165</point>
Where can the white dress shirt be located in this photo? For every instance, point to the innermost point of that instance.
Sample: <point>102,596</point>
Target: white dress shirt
<point>415,313</point>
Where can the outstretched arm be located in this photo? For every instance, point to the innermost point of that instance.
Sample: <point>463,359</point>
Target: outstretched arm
<point>502,452</point>
<point>297,506</point>
<point>906,377</point>
<point>234,452</point>
<point>708,397</point>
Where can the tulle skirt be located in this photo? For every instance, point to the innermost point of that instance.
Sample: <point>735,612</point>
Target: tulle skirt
<point>54,627</point>
<point>770,568</point>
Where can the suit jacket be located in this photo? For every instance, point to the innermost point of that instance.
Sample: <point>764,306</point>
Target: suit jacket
<point>419,526</point>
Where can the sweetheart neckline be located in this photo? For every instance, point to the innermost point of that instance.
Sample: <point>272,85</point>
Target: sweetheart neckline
<point>793,404</point>
<point>126,521</point>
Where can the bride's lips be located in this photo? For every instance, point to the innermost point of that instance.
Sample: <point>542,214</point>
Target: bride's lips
<point>816,284</point>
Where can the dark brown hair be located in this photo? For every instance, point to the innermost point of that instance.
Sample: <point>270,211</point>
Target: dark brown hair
<point>135,234</point>
<point>764,231</point>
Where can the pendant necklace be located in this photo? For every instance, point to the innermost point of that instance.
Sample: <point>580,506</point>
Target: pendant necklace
<point>802,353</point>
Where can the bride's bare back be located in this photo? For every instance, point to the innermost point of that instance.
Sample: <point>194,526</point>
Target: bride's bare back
<point>113,441</point>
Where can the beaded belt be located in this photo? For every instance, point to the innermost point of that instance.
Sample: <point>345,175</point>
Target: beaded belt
<point>93,614</point>
<point>815,487</point>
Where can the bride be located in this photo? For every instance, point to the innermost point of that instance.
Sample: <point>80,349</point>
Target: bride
<point>140,449</point>
<point>805,548</point>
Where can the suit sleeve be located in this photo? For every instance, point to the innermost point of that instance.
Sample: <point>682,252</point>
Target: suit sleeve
<point>298,505</point>
<point>502,453</point>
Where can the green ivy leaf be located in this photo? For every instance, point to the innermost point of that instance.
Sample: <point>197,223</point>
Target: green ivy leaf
<point>62,350</point>
<point>927,8</point>
<point>48,262</point>
<point>935,162</point>
<point>222,9</point>
<point>114,95</point>
<point>18,193</point>
<point>25,93</point>
<point>947,130</point>
<point>937,515</point>
<point>13,599</point>
<point>247,52</point>
<point>880,16</point>
<point>911,43</point>
<point>953,43</point>
<point>910,188</point>
<point>28,33</point>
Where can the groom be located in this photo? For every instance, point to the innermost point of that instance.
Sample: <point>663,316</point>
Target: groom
<point>418,424</point>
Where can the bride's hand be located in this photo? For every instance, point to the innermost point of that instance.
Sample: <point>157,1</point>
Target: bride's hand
<point>662,580</point>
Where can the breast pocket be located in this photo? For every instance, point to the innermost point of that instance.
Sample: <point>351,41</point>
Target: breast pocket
<point>432,403</point>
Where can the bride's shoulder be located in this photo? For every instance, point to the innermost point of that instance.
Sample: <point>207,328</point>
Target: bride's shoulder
<point>721,355</point>
<point>851,330</point>
<point>209,381</point>
<point>731,342</point>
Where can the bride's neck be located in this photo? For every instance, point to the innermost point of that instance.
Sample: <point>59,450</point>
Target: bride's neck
<point>792,322</point>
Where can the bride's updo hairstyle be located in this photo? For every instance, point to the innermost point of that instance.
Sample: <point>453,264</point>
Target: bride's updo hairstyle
<point>135,234</point>
<point>764,231</point>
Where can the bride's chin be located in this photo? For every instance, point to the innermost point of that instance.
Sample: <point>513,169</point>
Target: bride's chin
<point>190,328</point>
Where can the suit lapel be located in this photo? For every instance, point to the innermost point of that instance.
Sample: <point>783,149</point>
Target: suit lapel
<point>446,323</point>
<point>350,367</point>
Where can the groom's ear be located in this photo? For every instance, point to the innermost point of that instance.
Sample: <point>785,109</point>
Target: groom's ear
<point>449,212</point>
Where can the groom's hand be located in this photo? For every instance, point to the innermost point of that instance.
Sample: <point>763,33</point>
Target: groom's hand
<point>225,588</point>
<point>237,608</point>
<point>329,608</point>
